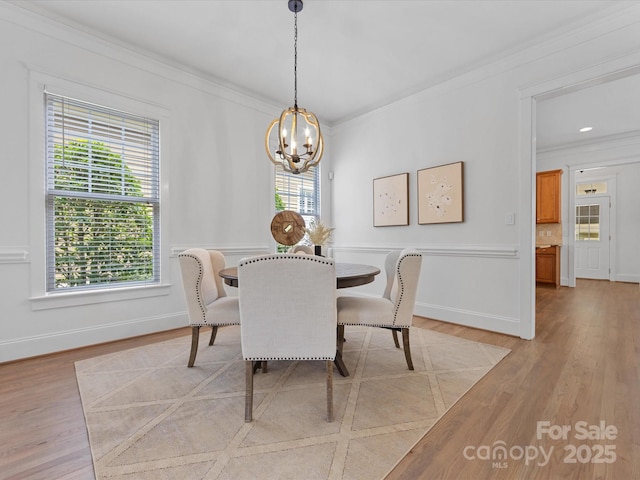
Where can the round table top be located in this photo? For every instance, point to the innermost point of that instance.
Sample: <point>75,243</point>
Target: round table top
<point>347,275</point>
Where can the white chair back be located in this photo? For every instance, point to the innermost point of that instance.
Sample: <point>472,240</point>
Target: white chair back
<point>287,307</point>
<point>301,249</point>
<point>405,275</point>
<point>202,284</point>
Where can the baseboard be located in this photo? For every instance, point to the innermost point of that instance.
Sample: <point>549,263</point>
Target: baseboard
<point>26,347</point>
<point>467,318</point>
<point>630,278</point>
<point>483,321</point>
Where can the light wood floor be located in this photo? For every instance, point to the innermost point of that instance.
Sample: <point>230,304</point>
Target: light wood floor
<point>583,365</point>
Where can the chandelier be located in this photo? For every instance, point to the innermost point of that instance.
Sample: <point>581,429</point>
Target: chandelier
<point>300,144</point>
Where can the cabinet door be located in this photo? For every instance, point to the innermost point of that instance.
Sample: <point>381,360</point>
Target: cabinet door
<point>545,268</point>
<point>548,196</point>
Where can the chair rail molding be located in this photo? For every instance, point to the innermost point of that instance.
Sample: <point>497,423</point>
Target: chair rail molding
<point>14,255</point>
<point>492,251</point>
<point>226,250</point>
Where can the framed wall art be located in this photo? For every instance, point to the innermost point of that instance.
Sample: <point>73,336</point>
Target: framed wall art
<point>391,200</point>
<point>440,194</point>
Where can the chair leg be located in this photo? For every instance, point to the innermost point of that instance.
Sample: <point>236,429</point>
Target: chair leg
<point>406,347</point>
<point>214,331</point>
<point>195,335</point>
<point>248,394</point>
<point>395,338</point>
<point>329,391</point>
<point>340,339</point>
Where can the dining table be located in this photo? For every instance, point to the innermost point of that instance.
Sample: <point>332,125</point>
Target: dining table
<point>347,275</point>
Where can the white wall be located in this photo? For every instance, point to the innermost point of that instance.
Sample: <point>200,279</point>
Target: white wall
<point>475,273</point>
<point>217,183</point>
<point>479,272</point>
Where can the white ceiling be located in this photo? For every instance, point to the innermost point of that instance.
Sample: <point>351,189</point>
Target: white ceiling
<point>353,55</point>
<point>611,109</point>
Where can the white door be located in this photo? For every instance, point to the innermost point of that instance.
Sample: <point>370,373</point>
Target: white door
<point>592,237</point>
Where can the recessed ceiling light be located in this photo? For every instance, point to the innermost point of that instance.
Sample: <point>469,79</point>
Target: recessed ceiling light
<point>586,129</point>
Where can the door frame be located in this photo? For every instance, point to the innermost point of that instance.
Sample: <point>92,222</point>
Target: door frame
<point>605,72</point>
<point>611,193</point>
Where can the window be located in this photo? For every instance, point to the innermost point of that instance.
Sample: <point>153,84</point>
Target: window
<point>299,193</point>
<point>102,197</point>
<point>588,222</point>
<point>591,188</point>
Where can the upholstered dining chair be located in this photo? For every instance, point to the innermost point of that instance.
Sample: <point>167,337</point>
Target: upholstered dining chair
<point>303,249</point>
<point>287,312</point>
<point>207,301</point>
<point>394,310</point>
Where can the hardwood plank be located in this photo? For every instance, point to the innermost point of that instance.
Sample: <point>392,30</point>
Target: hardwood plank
<point>42,429</point>
<point>583,365</point>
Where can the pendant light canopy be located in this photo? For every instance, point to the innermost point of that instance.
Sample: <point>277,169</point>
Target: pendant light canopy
<point>299,140</point>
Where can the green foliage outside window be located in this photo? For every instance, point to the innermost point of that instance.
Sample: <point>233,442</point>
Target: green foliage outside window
<point>279,203</point>
<point>98,241</point>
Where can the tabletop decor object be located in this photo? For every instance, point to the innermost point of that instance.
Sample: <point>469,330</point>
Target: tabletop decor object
<point>287,227</point>
<point>305,143</point>
<point>318,234</point>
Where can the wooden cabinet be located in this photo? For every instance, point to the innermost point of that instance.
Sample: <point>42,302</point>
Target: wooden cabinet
<point>548,265</point>
<point>548,196</point>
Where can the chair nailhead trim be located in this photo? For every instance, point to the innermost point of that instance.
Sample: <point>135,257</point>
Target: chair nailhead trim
<point>203,310</point>
<point>399,301</point>
<point>266,359</point>
<point>212,324</point>
<point>201,304</point>
<point>307,258</point>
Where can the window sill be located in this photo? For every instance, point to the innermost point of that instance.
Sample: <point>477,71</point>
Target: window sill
<point>73,299</point>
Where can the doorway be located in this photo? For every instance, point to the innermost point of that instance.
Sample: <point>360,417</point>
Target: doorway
<point>592,237</point>
<point>613,148</point>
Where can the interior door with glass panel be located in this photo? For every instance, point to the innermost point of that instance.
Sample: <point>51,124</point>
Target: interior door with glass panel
<point>592,237</point>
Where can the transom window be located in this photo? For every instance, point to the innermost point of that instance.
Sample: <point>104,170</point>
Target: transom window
<point>591,188</point>
<point>102,196</point>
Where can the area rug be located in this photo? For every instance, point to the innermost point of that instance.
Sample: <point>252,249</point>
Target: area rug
<point>151,417</point>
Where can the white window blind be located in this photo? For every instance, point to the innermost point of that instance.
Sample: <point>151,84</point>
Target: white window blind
<point>299,192</point>
<point>102,194</point>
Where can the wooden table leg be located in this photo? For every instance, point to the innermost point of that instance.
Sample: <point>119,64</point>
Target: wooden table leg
<point>342,368</point>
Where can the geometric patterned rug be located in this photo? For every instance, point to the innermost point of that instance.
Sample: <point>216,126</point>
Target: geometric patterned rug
<point>150,417</point>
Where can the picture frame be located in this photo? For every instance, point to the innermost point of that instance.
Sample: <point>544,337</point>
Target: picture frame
<point>441,194</point>
<point>391,200</point>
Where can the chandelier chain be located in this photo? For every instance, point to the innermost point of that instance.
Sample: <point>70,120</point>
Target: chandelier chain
<point>295,60</point>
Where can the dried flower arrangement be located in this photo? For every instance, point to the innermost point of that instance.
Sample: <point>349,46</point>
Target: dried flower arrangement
<point>318,233</point>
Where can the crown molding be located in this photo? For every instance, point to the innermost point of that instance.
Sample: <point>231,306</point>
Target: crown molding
<point>604,142</point>
<point>29,16</point>
<point>618,18</point>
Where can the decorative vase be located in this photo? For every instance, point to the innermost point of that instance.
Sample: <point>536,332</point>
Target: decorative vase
<point>317,249</point>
